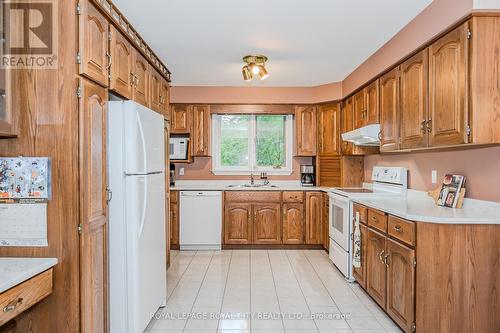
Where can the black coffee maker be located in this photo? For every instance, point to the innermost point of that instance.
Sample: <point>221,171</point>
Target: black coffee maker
<point>307,175</point>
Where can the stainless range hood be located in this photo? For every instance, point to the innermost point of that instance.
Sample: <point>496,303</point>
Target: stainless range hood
<point>364,136</point>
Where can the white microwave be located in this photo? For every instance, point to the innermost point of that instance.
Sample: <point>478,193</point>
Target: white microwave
<point>179,148</point>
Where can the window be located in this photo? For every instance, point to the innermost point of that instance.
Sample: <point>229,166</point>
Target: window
<point>252,143</point>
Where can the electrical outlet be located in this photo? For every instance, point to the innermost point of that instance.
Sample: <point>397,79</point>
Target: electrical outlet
<point>434,175</point>
<point>181,172</point>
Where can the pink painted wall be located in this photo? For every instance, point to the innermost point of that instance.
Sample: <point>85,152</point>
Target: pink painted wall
<point>480,166</point>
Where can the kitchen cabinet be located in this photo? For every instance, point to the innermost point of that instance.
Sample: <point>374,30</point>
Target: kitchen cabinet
<point>154,90</point>
<point>359,108</point>
<point>120,73</point>
<point>180,118</point>
<point>339,171</point>
<point>376,278</point>
<point>326,222</point>
<point>293,223</point>
<point>9,115</point>
<point>93,57</point>
<point>201,130</point>
<point>359,273</point>
<point>448,109</point>
<point>372,103</point>
<point>238,219</point>
<point>329,129</point>
<point>174,220</point>
<point>305,130</point>
<point>267,223</point>
<point>347,125</point>
<point>314,207</point>
<point>141,72</point>
<point>399,260</point>
<point>93,205</point>
<point>165,97</point>
<point>413,92</point>
<point>389,111</point>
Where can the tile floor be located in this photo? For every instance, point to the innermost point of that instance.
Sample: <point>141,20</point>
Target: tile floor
<point>243,291</point>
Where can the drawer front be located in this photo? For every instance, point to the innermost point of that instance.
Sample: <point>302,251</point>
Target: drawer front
<point>401,229</point>
<point>252,196</point>
<point>377,219</point>
<point>21,297</point>
<point>174,196</point>
<point>296,196</point>
<point>363,212</point>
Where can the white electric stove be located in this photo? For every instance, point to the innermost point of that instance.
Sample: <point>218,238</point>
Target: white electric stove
<point>387,181</point>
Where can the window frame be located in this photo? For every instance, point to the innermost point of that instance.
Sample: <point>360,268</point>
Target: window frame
<point>218,169</point>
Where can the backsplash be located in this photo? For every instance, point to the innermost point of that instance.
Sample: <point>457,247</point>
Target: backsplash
<point>480,166</point>
<point>200,169</point>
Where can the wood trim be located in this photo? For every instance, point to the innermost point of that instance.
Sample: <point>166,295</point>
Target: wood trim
<point>252,109</point>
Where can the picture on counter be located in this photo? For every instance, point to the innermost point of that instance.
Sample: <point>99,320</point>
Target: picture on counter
<point>450,190</point>
<point>25,178</point>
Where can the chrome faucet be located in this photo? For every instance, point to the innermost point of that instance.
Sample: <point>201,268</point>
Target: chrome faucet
<point>251,179</point>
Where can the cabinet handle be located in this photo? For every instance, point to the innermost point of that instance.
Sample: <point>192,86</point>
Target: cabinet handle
<point>109,61</point>
<point>423,127</point>
<point>381,256</point>
<point>386,262</point>
<point>398,228</point>
<point>428,125</point>
<point>13,305</point>
<point>380,135</point>
<point>132,79</point>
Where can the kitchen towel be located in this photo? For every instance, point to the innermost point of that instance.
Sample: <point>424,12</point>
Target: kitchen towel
<point>356,260</point>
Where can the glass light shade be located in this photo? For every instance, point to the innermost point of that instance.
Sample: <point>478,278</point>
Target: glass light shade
<point>254,68</point>
<point>247,73</point>
<point>263,74</point>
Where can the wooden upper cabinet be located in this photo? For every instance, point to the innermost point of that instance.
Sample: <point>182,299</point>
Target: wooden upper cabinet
<point>329,129</point>
<point>305,129</point>
<point>372,103</point>
<point>93,44</point>
<point>389,111</point>
<point>9,116</point>
<point>180,118</point>
<point>164,97</point>
<point>400,284</point>
<point>413,92</point>
<point>293,223</point>
<point>359,109</point>
<point>93,207</point>
<point>347,125</point>
<point>359,273</point>
<point>448,68</point>
<point>154,90</point>
<point>201,130</point>
<point>141,74</point>
<point>238,223</point>
<point>267,223</point>
<point>314,208</point>
<point>120,75</point>
<point>376,276</point>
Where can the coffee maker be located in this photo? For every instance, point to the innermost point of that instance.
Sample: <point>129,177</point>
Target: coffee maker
<point>307,175</point>
<point>172,174</point>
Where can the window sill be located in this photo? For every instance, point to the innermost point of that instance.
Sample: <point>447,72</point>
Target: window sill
<point>248,173</point>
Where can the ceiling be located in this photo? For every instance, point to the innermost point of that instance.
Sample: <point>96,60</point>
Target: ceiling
<point>308,42</point>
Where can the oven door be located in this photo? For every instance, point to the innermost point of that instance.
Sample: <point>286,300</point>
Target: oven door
<point>339,220</point>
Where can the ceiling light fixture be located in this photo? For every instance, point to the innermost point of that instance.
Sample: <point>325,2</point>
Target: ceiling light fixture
<point>254,67</point>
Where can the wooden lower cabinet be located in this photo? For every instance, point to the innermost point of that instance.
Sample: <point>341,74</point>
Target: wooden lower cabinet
<point>267,223</point>
<point>376,278</point>
<point>174,225</point>
<point>360,272</point>
<point>326,224</point>
<point>314,208</point>
<point>400,284</point>
<point>238,223</point>
<point>293,223</point>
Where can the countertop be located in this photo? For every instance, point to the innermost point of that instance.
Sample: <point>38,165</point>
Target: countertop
<point>14,271</point>
<point>415,206</point>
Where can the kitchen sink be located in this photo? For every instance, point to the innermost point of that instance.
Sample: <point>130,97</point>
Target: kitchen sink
<point>251,186</point>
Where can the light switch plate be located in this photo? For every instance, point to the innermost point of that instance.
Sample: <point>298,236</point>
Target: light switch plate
<point>434,176</point>
<point>181,172</point>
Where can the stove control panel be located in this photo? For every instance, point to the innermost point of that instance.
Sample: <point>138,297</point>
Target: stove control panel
<point>391,175</point>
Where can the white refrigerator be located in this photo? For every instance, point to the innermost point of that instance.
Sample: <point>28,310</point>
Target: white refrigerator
<point>137,244</point>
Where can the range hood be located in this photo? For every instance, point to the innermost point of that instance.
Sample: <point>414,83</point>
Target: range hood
<point>364,136</point>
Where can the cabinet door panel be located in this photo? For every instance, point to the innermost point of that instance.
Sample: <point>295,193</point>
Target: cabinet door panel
<point>329,129</point>
<point>201,130</point>
<point>237,223</point>
<point>141,79</point>
<point>93,44</point>
<point>359,108</point>
<point>389,111</point>
<point>121,51</point>
<point>180,119</point>
<point>376,274</point>
<point>9,116</point>
<point>93,207</point>
<point>313,217</point>
<point>360,272</point>
<point>326,224</point>
<point>372,103</point>
<point>267,224</point>
<point>400,284</point>
<point>448,60</point>
<point>154,90</point>
<point>347,125</point>
<point>305,129</point>
<point>293,223</point>
<point>414,83</point>
<point>174,225</point>
<point>164,97</point>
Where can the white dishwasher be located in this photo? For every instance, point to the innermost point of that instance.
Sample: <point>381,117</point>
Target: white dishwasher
<point>200,224</point>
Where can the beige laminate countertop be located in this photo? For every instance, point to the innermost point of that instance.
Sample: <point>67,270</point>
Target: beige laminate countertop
<point>14,271</point>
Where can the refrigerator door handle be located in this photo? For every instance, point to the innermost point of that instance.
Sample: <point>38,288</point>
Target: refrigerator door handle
<point>144,204</point>
<point>143,143</point>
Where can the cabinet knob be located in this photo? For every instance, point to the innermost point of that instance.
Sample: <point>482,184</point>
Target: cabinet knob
<point>13,305</point>
<point>398,228</point>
